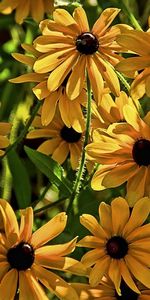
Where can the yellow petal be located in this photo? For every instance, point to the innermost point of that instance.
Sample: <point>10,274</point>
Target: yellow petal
<point>31,77</point>
<point>139,214</point>
<point>22,12</point>
<point>66,264</point>
<point>75,155</point>
<point>105,217</point>
<point>127,276</point>
<point>120,214</point>
<point>56,250</point>
<point>49,230</point>
<point>93,226</point>
<point>26,224</point>
<point>90,241</point>
<point>119,174</point>
<point>93,256</point>
<point>27,60</point>
<point>55,283</point>
<point>8,286</point>
<point>76,80</point>
<point>49,146</point>
<point>95,78</point>
<point>57,77</point>
<point>60,154</point>
<point>139,271</point>
<point>105,19</point>
<point>99,270</point>
<point>81,19</point>
<point>9,218</point>
<point>49,108</point>
<point>40,90</point>
<point>136,186</point>
<point>29,288</point>
<point>114,274</point>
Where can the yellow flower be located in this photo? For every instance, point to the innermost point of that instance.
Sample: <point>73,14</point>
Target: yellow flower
<point>33,8</point>
<point>124,152</point>
<point>70,111</point>
<point>138,42</point>
<point>4,141</point>
<point>120,243</point>
<point>60,142</point>
<point>67,45</point>
<point>109,111</point>
<point>106,291</point>
<point>25,261</point>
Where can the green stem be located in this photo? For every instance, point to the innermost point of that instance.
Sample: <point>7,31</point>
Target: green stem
<point>130,15</point>
<point>36,211</point>
<point>24,131</point>
<point>123,80</point>
<point>80,172</point>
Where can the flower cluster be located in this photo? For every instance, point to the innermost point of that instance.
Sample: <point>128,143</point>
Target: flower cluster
<point>81,111</point>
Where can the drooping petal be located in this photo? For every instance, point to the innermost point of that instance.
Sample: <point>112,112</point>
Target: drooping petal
<point>60,154</point>
<point>114,274</point>
<point>76,80</point>
<point>55,283</point>
<point>93,256</point>
<point>29,288</point>
<point>127,276</point>
<point>49,108</point>
<point>139,271</point>
<point>66,264</point>
<point>99,270</point>
<point>90,241</point>
<point>49,230</point>
<point>136,186</point>
<point>56,250</point>
<point>105,217</point>
<point>8,286</point>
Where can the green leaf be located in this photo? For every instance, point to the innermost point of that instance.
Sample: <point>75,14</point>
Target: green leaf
<point>50,169</point>
<point>21,182</point>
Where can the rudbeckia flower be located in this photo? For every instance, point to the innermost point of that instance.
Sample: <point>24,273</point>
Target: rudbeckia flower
<point>124,152</point>
<point>120,244</point>
<point>68,45</point>
<point>70,111</point>
<point>25,260</point>
<point>138,42</point>
<point>61,141</point>
<point>4,141</point>
<point>33,8</point>
<point>109,111</point>
<point>106,291</point>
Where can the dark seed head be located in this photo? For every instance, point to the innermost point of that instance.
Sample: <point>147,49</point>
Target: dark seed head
<point>21,257</point>
<point>126,292</point>
<point>87,43</point>
<point>141,152</point>
<point>117,247</point>
<point>70,135</point>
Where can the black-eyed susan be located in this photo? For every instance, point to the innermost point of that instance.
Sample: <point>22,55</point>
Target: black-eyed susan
<point>25,260</point>
<point>124,152</point>
<point>68,45</point>
<point>71,111</point>
<point>120,243</point>
<point>61,141</point>
<point>106,291</point>
<point>24,8</point>
<point>109,111</point>
<point>138,42</point>
<point>4,131</point>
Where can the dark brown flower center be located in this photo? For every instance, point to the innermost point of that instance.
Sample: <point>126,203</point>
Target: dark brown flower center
<point>70,135</point>
<point>21,257</point>
<point>126,292</point>
<point>117,247</point>
<point>87,43</point>
<point>141,152</point>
